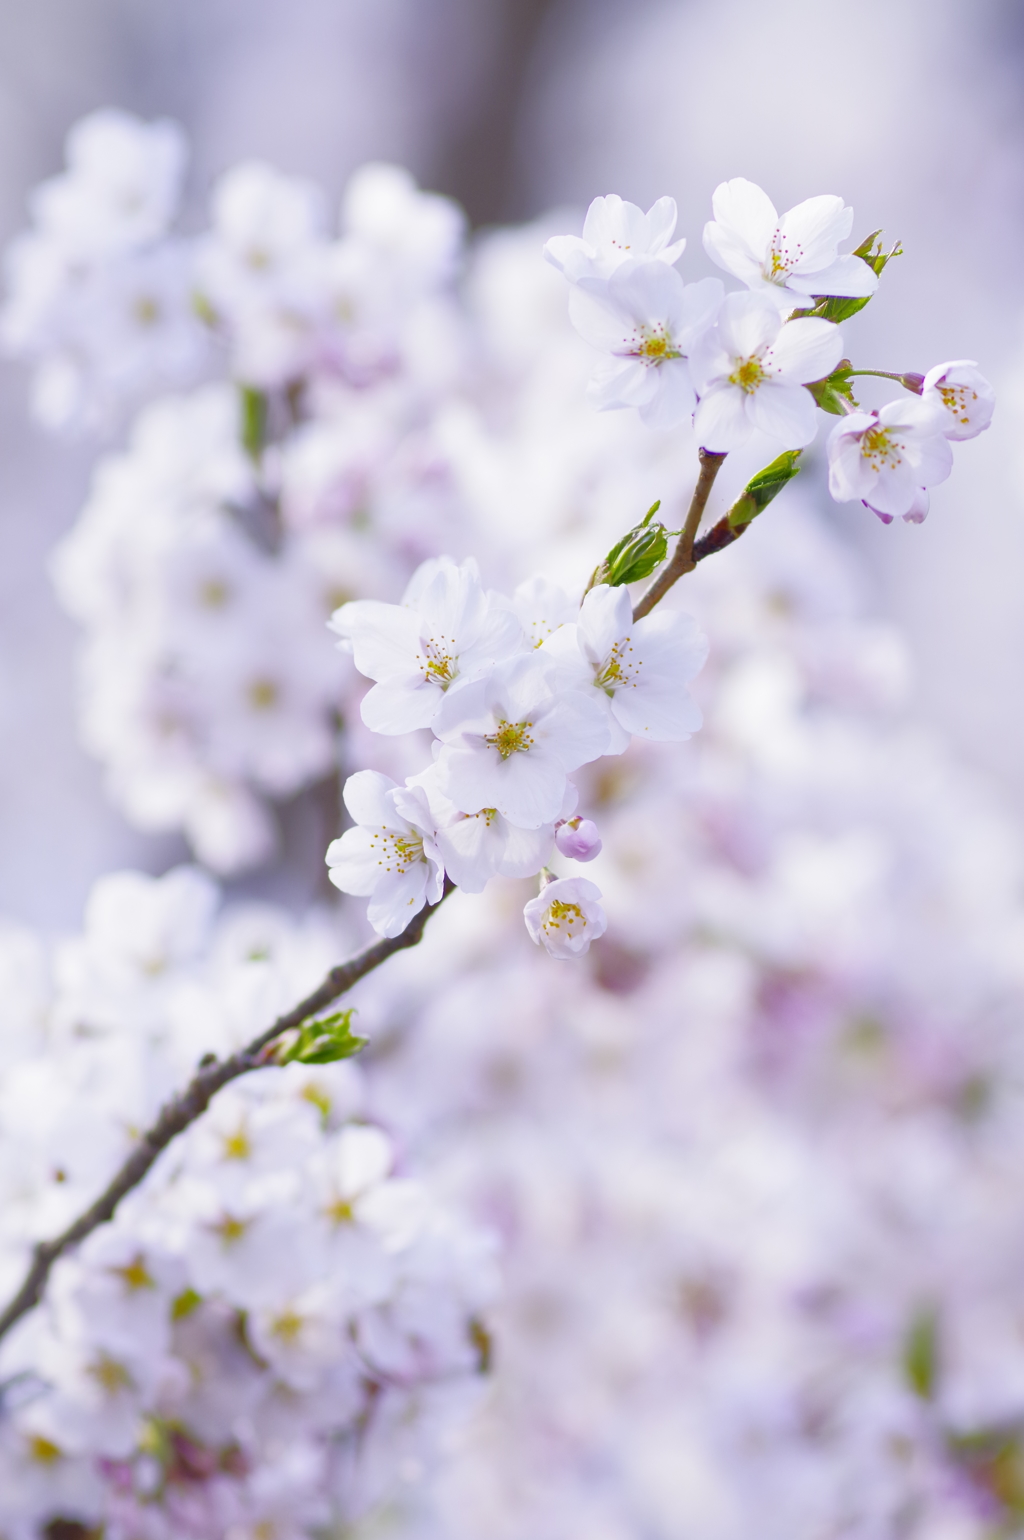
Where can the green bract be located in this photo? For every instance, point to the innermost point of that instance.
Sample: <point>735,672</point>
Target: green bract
<point>636,555</point>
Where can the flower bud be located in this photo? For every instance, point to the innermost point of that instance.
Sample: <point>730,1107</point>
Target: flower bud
<point>578,839</point>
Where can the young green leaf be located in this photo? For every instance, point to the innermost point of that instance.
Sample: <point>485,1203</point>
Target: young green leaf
<point>764,487</point>
<point>323,1041</point>
<point>636,555</point>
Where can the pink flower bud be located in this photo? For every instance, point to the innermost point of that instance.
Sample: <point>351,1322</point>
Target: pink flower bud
<point>578,839</point>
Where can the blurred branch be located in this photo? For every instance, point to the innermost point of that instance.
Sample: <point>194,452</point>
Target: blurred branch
<point>184,1109</point>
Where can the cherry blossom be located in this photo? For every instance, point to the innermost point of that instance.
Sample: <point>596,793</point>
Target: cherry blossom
<point>965,395</point>
<point>391,855</point>
<point>789,258</point>
<point>637,672</point>
<point>510,739</point>
<point>566,916</point>
<point>578,839</point>
<point>615,232</point>
<point>887,457</point>
<point>446,631</point>
<point>751,369</point>
<point>649,321</point>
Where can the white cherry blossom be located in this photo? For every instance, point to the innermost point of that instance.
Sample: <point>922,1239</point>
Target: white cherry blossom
<point>391,856</point>
<point>789,258</point>
<point>614,232</point>
<point>637,671</point>
<point>887,457</point>
<point>648,320</point>
<point>480,845</point>
<point>751,369</point>
<point>510,739</point>
<point>965,395</point>
<point>445,631</point>
<point>566,916</point>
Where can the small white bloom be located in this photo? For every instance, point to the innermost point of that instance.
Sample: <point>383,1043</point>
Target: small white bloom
<point>886,457</point>
<point>566,916</point>
<point>391,855</point>
<point>965,395</point>
<point>791,258</point>
<point>480,845</point>
<point>637,672</point>
<point>446,629</point>
<point>649,321</point>
<point>751,369</point>
<point>613,232</point>
<point>510,739</point>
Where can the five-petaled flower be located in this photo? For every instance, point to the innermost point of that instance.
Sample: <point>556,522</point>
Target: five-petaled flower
<point>391,855</point>
<point>887,457</point>
<point>566,916</point>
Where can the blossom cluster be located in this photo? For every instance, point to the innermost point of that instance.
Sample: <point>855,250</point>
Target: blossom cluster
<point>518,692</point>
<point>742,362</point>
<point>279,1324</point>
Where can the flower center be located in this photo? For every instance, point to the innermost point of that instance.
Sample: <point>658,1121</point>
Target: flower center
<point>398,851</point>
<point>42,1451</point>
<point>955,398</point>
<point>881,450</point>
<point>109,1374</point>
<point>511,738</point>
<point>230,1229</point>
<point>135,1275</point>
<point>560,913</point>
<point>236,1145</point>
<point>654,345</point>
<point>287,1326</point>
<point>782,258</point>
<point>440,660</point>
<point>618,669</point>
<point>748,374</point>
<point>263,694</point>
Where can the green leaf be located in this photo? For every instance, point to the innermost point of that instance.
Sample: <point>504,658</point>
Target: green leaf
<point>834,389</point>
<point>254,421</point>
<point>185,1304</point>
<point>921,1354</point>
<point>323,1041</point>
<point>763,488</point>
<point>636,555</point>
<point>833,307</point>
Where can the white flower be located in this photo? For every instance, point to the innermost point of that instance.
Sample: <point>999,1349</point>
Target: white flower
<point>480,845</point>
<point>391,855</point>
<point>510,739</point>
<point>613,232</point>
<point>965,395</point>
<point>886,457</point>
<point>566,916</point>
<point>791,258</point>
<point>751,371</point>
<point>637,672</point>
<point>649,321</point>
<point>541,607</point>
<point>446,629</point>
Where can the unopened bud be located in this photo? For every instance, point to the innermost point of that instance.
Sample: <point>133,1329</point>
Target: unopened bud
<point>913,381</point>
<point>578,839</point>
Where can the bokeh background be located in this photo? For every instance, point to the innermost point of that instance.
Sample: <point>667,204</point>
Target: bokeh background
<point>911,109</point>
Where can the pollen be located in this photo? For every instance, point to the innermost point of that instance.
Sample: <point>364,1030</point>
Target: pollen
<point>397,852</point>
<point>619,669</point>
<point>748,374</point>
<point>654,345</point>
<point>439,660</point>
<point>135,1275</point>
<point>511,738</point>
<point>783,257</point>
<point>956,399</point>
<point>562,914</point>
<point>881,450</point>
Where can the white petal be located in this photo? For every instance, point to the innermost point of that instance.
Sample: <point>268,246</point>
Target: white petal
<point>673,398</point>
<point>660,710</point>
<point>600,321</point>
<point>366,797</point>
<point>806,350</point>
<point>606,615</point>
<point>701,304</point>
<point>814,229</point>
<point>391,709</point>
<point>397,899</point>
<point>621,382</point>
<point>748,323</point>
<point>720,421</point>
<point>849,276</point>
<point>652,292</point>
<point>747,213</point>
<point>384,637</point>
<point>354,862</point>
<point>785,412</point>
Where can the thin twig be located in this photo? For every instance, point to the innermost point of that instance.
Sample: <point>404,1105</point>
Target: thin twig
<point>683,557</point>
<point>184,1109</point>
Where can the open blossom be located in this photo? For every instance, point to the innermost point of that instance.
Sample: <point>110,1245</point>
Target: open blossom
<point>886,457</point>
<point>566,916</point>
<point>789,258</point>
<point>613,232</point>
<point>391,855</point>
<point>446,629</point>
<point>511,738</point>
<point>751,369</point>
<point>964,394</point>
<point>476,846</point>
<point>648,320</point>
<point>636,671</point>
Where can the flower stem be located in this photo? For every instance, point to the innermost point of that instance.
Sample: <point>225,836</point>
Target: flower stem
<point>683,560</point>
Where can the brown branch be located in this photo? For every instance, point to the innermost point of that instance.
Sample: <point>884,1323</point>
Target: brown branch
<point>684,557</point>
<point>188,1105</point>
